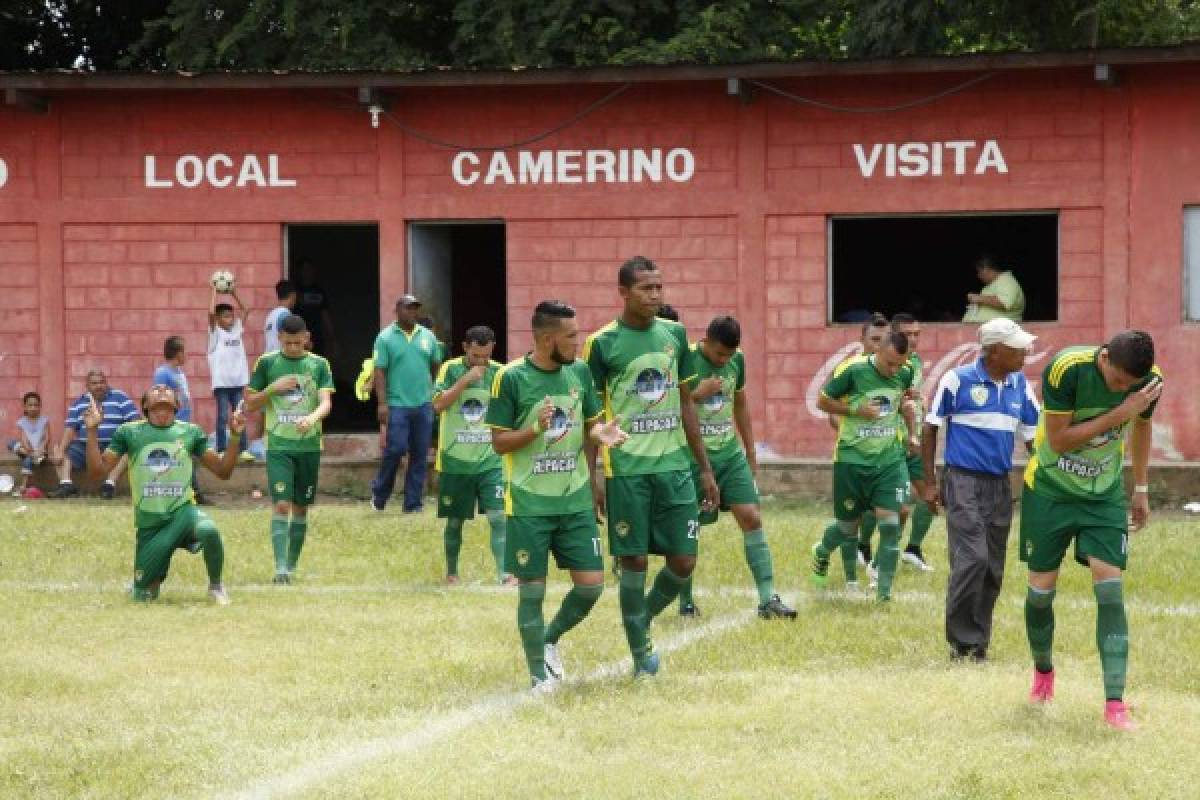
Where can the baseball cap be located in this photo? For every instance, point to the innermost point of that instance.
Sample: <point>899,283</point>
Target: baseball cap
<point>1006,332</point>
<point>408,300</point>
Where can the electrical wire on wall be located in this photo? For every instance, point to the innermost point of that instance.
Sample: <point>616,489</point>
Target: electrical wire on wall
<point>920,101</point>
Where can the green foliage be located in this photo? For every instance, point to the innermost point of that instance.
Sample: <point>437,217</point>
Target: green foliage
<point>502,34</point>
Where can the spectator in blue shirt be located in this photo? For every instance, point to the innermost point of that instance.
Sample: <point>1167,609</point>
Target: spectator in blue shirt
<point>170,374</point>
<point>118,409</point>
<point>983,406</point>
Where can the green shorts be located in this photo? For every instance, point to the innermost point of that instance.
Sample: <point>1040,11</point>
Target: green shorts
<point>916,472</point>
<point>736,482</point>
<point>573,538</point>
<point>858,488</point>
<point>653,514</point>
<point>292,476</point>
<point>155,546</point>
<point>459,495</point>
<point>1100,529</point>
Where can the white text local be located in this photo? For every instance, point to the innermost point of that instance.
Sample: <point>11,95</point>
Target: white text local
<point>218,171</point>
<point>575,166</point>
<point>914,159</point>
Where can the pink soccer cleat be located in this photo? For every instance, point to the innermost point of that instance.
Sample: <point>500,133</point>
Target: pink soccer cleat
<point>1043,687</point>
<point>1116,714</point>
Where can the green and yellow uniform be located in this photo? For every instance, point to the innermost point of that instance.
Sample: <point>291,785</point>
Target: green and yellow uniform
<point>651,497</point>
<point>869,466</point>
<point>164,506</point>
<point>1009,291</point>
<point>916,467</point>
<point>408,359</point>
<point>1077,496</point>
<point>547,492</point>
<point>293,455</point>
<point>471,472</point>
<point>725,449</point>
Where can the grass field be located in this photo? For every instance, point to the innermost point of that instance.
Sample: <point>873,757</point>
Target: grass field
<point>368,678</point>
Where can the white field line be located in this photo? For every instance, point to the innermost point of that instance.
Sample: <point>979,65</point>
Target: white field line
<point>800,598</point>
<point>356,755</point>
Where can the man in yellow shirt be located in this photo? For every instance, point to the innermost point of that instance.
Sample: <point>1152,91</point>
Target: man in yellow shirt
<point>1001,295</point>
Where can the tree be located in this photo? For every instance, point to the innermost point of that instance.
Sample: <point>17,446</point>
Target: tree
<point>66,34</point>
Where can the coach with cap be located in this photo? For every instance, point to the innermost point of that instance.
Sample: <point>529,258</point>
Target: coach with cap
<point>983,406</point>
<point>406,358</point>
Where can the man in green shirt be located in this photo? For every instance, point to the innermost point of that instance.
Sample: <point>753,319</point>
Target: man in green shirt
<point>915,508</point>
<point>724,415</point>
<point>871,395</point>
<point>160,451</point>
<point>1001,295</point>
<point>1073,495</point>
<point>407,356</point>
<point>544,413</point>
<point>296,387</point>
<point>470,470</point>
<point>643,368</point>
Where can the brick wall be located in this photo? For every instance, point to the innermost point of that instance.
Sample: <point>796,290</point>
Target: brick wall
<point>129,287</point>
<point>19,322</point>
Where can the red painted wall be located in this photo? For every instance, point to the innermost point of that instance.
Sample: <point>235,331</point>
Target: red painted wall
<point>96,268</point>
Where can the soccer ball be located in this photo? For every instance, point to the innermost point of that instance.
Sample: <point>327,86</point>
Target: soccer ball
<point>222,280</point>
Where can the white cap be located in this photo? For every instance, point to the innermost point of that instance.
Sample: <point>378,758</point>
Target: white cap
<point>1006,332</point>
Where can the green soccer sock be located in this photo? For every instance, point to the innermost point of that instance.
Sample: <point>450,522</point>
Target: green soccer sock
<point>452,540</point>
<point>758,557</point>
<point>867,528</point>
<point>499,528</point>
<point>849,552</point>
<point>279,541</point>
<point>887,558</point>
<point>297,531</point>
<point>685,593</point>
<point>575,606</point>
<point>922,520</point>
<point>214,550</point>
<point>1039,626</point>
<point>1112,636</point>
<point>831,540</point>
<point>631,594</point>
<point>532,627</point>
<point>665,589</point>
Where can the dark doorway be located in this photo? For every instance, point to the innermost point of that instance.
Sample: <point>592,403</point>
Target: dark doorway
<point>337,269</point>
<point>457,269</point>
<point>925,264</point>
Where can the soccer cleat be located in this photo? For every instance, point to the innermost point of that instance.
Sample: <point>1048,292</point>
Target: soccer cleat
<point>246,457</point>
<point>509,580</point>
<point>1043,688</point>
<point>864,553</point>
<point>377,503</point>
<point>65,489</point>
<point>553,659</point>
<point>543,687</point>
<point>688,610</point>
<point>913,555</point>
<point>852,587</point>
<point>648,665</point>
<point>775,609</point>
<point>979,655</point>
<point>1116,715</point>
<point>820,568</point>
<point>217,595</point>
<point>281,579</point>
<point>862,562</point>
<point>107,490</point>
<point>872,575</point>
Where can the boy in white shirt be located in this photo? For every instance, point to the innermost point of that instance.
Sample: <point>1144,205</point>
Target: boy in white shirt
<point>227,361</point>
<point>285,291</point>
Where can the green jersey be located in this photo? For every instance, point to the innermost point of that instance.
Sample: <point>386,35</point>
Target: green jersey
<point>549,476</point>
<point>715,412</point>
<point>284,410</point>
<point>870,442</point>
<point>464,441</point>
<point>1073,384</point>
<point>638,373</point>
<point>408,361</point>
<point>1009,291</point>
<point>160,466</point>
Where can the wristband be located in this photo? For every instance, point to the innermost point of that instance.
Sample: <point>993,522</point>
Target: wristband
<point>537,426</point>
<point>1141,488</point>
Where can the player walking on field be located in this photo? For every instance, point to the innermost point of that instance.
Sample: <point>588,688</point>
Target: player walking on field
<point>543,408</point>
<point>869,469</point>
<point>1073,495</point>
<point>724,415</point>
<point>160,450</point>
<point>915,508</point>
<point>471,474</point>
<point>643,368</point>
<point>296,387</point>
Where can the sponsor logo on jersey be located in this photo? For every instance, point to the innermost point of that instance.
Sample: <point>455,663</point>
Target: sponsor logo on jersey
<point>884,404</point>
<point>554,463</point>
<point>979,395</point>
<point>159,460</point>
<point>473,410</point>
<point>714,403</point>
<point>560,425</point>
<point>651,386</point>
